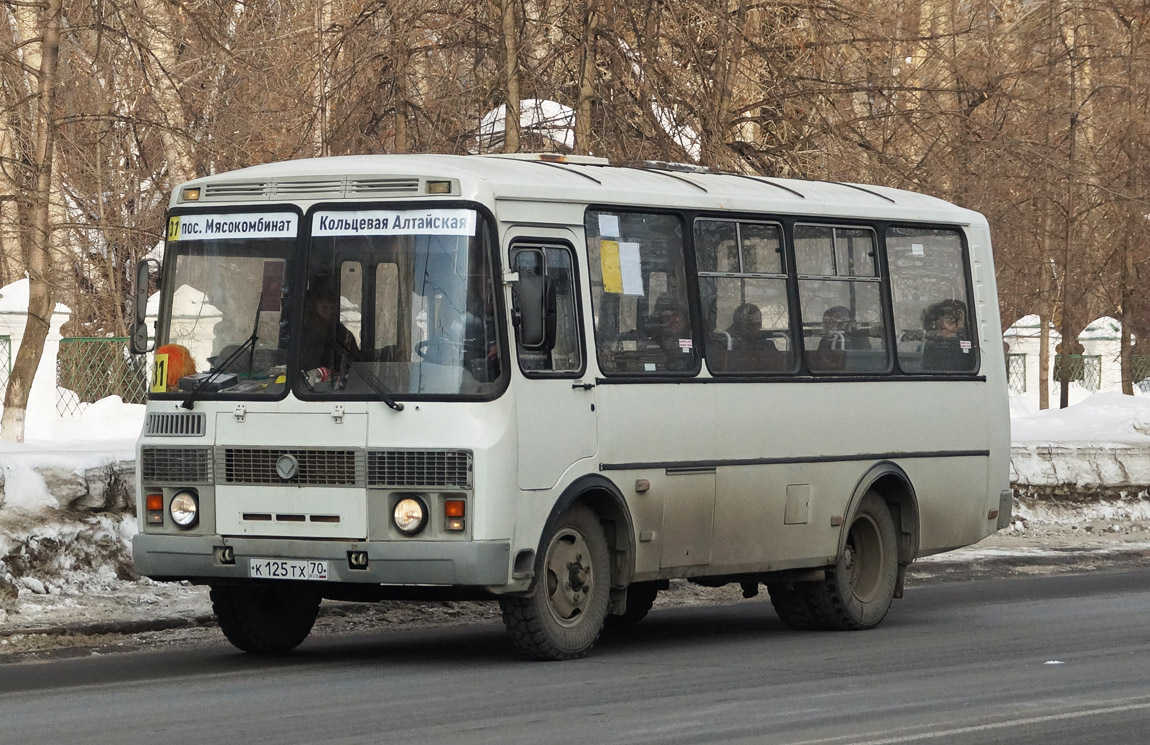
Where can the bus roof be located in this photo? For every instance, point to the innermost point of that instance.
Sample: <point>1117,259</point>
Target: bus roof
<point>570,179</point>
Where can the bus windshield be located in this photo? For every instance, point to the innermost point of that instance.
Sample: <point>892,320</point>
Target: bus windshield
<point>223,307</point>
<point>399,303</point>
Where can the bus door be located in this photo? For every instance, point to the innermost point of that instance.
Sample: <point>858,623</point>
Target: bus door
<point>555,401</point>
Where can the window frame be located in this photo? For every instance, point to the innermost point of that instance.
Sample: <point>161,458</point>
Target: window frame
<point>296,258</point>
<point>687,254</point>
<point>879,278</point>
<point>968,285</point>
<point>787,262</point>
<point>801,372</point>
<point>487,234</point>
<point>529,242</point>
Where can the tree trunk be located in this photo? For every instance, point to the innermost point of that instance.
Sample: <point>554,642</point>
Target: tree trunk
<point>40,299</point>
<point>510,77</point>
<point>587,68</point>
<point>160,56</point>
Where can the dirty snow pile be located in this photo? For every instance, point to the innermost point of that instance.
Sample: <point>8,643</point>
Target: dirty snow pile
<point>66,506</point>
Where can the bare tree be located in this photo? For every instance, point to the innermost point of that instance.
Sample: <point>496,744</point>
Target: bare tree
<point>41,32</point>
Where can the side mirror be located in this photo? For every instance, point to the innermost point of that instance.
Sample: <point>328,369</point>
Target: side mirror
<point>530,296</point>
<point>138,341</point>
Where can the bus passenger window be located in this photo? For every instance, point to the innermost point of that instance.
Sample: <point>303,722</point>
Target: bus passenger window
<point>932,318</point>
<point>840,300</point>
<point>643,323</point>
<point>743,288</point>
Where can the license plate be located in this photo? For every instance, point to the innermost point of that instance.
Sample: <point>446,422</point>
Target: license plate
<point>287,569</point>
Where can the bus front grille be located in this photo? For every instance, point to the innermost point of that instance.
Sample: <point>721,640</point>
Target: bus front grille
<point>175,425</point>
<point>426,468</point>
<point>176,465</point>
<point>310,467</point>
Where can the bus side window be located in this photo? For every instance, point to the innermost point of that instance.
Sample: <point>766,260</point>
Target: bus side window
<point>643,321</point>
<point>743,287</point>
<point>564,353</point>
<point>840,299</point>
<point>932,312</point>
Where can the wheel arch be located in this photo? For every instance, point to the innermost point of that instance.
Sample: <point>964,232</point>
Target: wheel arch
<point>893,484</point>
<point>606,500</point>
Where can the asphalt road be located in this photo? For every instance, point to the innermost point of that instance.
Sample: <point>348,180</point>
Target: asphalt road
<point>1050,660</point>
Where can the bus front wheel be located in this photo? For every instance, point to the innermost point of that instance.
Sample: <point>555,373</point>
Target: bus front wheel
<point>265,620</point>
<point>563,617</point>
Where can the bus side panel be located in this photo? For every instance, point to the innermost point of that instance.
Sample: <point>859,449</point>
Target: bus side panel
<point>814,442</point>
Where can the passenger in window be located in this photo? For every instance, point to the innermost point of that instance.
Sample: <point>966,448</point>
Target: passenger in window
<point>746,327</point>
<point>671,331</point>
<point>840,332</point>
<point>840,337</point>
<point>750,349</point>
<point>947,345</point>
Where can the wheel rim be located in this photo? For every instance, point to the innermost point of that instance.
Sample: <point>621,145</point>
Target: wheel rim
<point>863,558</point>
<point>570,577</point>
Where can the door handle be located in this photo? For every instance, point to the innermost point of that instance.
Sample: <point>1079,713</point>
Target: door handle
<point>583,386</point>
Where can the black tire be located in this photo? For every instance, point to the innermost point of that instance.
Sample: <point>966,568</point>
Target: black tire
<point>265,620</point>
<point>791,601</point>
<point>563,616</point>
<point>858,591</point>
<point>640,599</point>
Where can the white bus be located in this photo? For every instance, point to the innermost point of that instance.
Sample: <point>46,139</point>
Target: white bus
<point>560,384</point>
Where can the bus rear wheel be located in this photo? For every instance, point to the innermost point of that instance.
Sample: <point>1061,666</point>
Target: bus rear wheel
<point>265,620</point>
<point>791,601</point>
<point>640,599</point>
<point>562,618</point>
<point>858,591</point>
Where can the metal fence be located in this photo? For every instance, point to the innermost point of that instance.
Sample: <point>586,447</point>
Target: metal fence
<point>1082,368</point>
<point>90,369</point>
<point>1016,372</point>
<point>5,363</point>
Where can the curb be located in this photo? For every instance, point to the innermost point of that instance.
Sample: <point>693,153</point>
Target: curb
<point>97,628</point>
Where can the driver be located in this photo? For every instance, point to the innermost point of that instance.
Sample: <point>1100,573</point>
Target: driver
<point>327,346</point>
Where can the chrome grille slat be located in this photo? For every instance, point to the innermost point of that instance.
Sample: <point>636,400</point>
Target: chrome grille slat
<point>317,467</point>
<point>318,186</point>
<point>359,187</point>
<point>176,465</point>
<point>175,425</point>
<point>423,468</point>
<point>231,190</point>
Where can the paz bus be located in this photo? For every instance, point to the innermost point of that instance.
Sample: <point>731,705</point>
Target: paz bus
<point>560,384</point>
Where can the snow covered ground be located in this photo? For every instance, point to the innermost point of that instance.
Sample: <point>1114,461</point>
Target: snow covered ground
<point>66,524</point>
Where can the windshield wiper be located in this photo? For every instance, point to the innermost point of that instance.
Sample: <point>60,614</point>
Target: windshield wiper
<point>369,377</point>
<point>216,372</point>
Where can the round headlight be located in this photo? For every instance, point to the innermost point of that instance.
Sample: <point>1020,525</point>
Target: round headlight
<point>410,515</point>
<point>184,509</point>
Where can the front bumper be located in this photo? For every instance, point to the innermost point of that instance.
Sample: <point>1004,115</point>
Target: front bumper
<point>455,563</point>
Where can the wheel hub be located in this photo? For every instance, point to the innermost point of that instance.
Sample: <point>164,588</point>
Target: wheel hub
<point>569,578</point>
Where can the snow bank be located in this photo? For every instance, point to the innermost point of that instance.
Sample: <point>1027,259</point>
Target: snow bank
<point>1110,418</point>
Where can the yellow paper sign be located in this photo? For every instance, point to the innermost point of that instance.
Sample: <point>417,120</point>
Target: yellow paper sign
<point>612,274</point>
<point>160,372</point>
<point>173,228</point>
